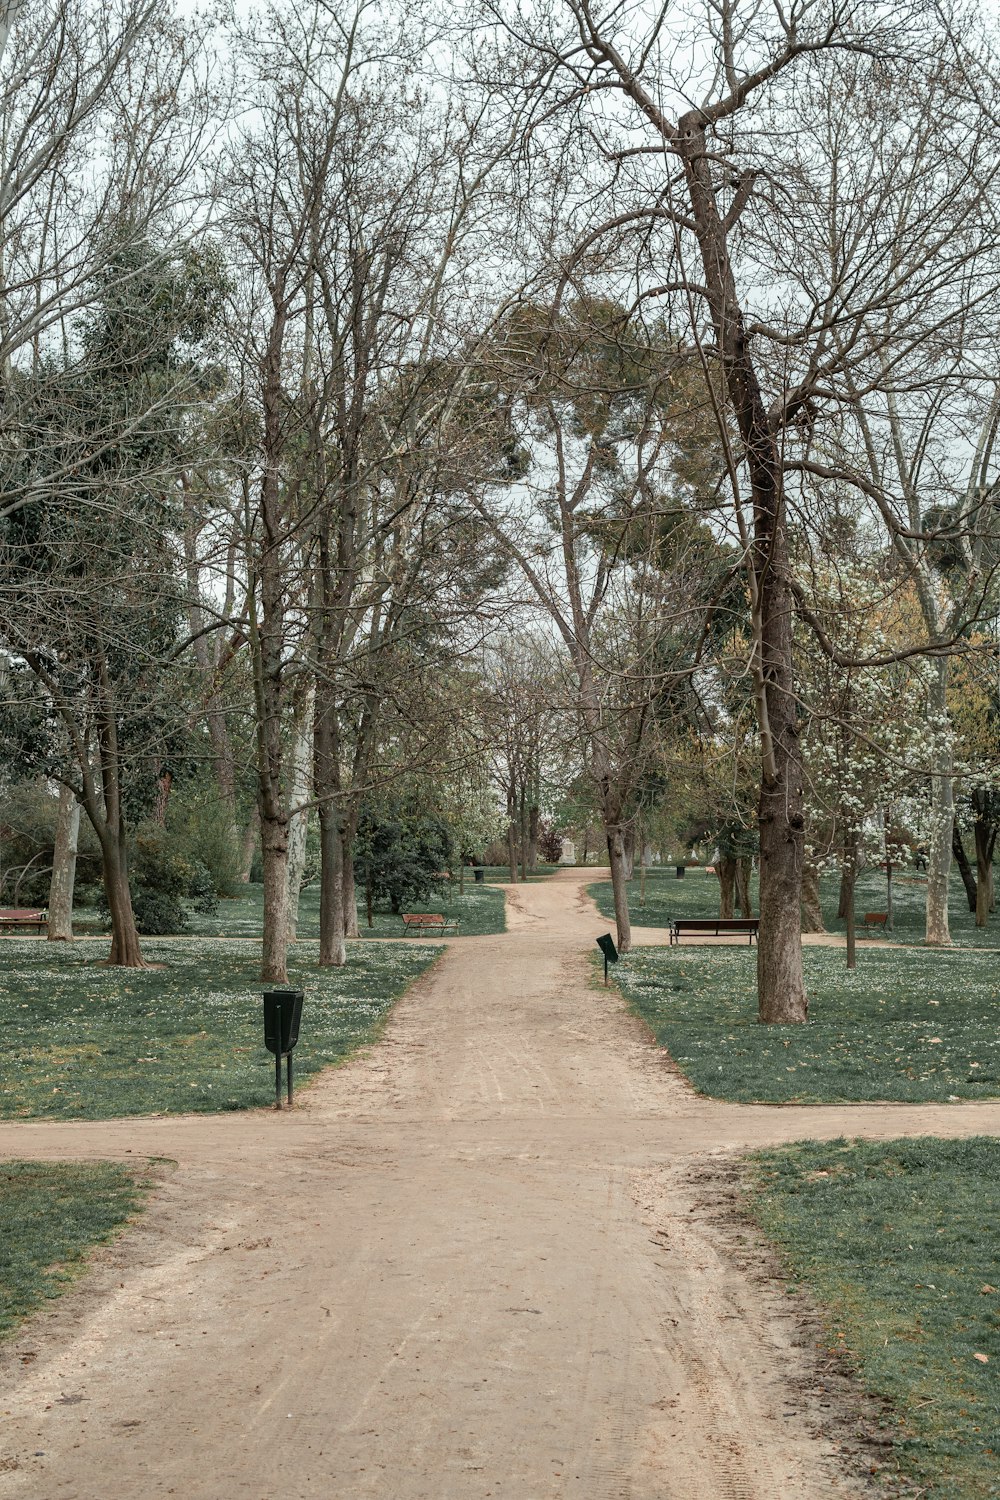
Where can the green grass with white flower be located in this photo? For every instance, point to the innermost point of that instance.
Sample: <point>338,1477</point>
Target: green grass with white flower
<point>479,911</point>
<point>896,1240</point>
<point>697,895</point>
<point>51,1217</point>
<point>82,1041</point>
<point>905,1025</point>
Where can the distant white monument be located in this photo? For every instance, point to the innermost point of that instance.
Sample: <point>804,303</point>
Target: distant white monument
<point>568,855</point>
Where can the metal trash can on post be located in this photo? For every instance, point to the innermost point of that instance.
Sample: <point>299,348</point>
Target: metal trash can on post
<point>477,872</point>
<point>282,1016</point>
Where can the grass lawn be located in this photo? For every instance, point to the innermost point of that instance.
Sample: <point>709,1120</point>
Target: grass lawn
<point>906,1024</point>
<point>86,1042</point>
<point>480,911</point>
<point>697,895</point>
<point>897,1241</point>
<point>51,1215</point>
<point>500,874</point>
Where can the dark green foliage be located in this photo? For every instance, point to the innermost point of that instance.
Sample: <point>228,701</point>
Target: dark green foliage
<point>400,854</point>
<point>27,839</point>
<point>897,1240</point>
<point>201,890</point>
<point>200,830</point>
<point>51,1215</point>
<point>84,1041</point>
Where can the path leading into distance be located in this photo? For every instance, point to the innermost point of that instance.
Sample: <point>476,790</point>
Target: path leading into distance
<point>471,1264</point>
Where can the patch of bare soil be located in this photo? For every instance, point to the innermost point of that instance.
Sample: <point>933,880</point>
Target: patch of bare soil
<point>474,1263</point>
<point>850,1423</point>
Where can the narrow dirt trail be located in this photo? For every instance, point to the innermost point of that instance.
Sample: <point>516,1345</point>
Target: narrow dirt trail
<point>468,1266</point>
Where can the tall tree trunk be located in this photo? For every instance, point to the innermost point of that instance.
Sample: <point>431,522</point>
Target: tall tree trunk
<point>350,897</point>
<point>534,813</point>
<point>744,869</point>
<point>938,934</point>
<point>628,844</point>
<point>983,872</point>
<point>812,911</point>
<point>126,951</point>
<point>298,830</point>
<point>964,868</point>
<point>851,924</point>
<point>616,859</point>
<point>726,871</point>
<point>781,994</point>
<point>843,898</point>
<point>268,652</point>
<point>332,946</point>
<point>63,879</point>
<point>248,845</point>
<point>512,835</point>
<point>274,852</point>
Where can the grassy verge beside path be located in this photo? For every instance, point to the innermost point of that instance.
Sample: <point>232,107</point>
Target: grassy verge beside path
<point>500,874</point>
<point>697,895</point>
<point>82,1041</point>
<point>906,1025</point>
<point>479,910</point>
<point>51,1216</point>
<point>897,1242</point>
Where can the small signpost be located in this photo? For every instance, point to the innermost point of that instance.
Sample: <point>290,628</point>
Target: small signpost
<point>607,947</point>
<point>282,1014</point>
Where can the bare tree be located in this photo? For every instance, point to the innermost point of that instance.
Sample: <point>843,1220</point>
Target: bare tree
<point>714,173</point>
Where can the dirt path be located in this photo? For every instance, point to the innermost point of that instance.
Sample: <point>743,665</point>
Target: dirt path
<point>470,1265</point>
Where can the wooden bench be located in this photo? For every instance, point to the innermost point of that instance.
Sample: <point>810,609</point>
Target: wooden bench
<point>713,927</point>
<point>16,918</point>
<point>420,922</point>
<point>874,922</point>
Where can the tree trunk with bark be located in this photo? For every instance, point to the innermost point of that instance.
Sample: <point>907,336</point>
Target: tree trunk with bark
<point>964,868</point>
<point>780,984</point>
<point>126,951</point>
<point>812,911</point>
<point>616,859</point>
<point>628,844</point>
<point>725,868</point>
<point>350,897</point>
<point>744,870</point>
<point>248,845</point>
<point>534,814</point>
<point>332,945</point>
<point>298,831</point>
<point>984,872</point>
<point>939,842</point>
<point>63,879</point>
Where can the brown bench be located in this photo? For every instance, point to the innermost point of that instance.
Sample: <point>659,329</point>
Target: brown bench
<point>17,918</point>
<point>875,922</point>
<point>428,921</point>
<point>713,927</point>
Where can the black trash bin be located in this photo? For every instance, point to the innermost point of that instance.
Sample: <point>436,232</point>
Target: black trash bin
<point>680,872</point>
<point>478,874</point>
<point>282,1017</point>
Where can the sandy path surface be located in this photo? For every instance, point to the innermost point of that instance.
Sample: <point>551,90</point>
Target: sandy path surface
<point>471,1264</point>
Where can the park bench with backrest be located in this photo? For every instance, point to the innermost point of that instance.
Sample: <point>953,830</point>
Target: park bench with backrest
<point>713,927</point>
<point>20,918</point>
<point>875,922</point>
<point>421,922</point>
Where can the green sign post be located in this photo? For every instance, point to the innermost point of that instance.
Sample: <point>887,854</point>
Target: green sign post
<point>607,947</point>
